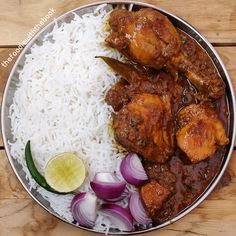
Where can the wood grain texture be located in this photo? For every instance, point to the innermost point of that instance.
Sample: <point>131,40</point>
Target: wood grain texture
<point>228,55</point>
<point>5,71</point>
<point>20,215</point>
<point>215,19</point>
<point>9,185</point>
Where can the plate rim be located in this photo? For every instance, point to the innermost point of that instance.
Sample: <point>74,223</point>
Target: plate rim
<point>142,4</point>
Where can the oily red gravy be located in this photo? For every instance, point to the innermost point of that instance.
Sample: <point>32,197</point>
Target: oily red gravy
<point>187,181</point>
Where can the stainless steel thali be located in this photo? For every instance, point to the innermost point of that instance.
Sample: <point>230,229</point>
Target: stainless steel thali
<point>178,22</point>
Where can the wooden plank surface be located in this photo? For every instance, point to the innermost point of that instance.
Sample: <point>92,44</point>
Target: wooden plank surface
<point>20,215</point>
<point>216,19</point>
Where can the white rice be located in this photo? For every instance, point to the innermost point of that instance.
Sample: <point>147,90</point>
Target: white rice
<point>59,104</point>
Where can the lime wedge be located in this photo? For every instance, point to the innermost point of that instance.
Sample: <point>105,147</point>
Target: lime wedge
<point>65,172</point>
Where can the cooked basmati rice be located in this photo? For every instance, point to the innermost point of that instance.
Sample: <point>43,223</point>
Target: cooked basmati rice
<point>59,104</point>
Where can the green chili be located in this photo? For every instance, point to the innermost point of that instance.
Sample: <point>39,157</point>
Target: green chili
<point>35,173</point>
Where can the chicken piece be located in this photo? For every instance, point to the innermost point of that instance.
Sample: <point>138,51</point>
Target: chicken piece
<point>141,80</point>
<point>117,95</point>
<point>194,62</point>
<point>162,173</point>
<point>145,126</point>
<point>153,196</point>
<point>149,38</point>
<point>200,131</point>
<point>146,36</point>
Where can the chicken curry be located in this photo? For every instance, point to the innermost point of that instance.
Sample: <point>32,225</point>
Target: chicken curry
<point>169,107</point>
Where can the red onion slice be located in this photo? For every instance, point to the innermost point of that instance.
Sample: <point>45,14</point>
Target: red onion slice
<point>84,209</point>
<point>125,194</point>
<point>137,209</point>
<point>132,170</point>
<point>118,216</point>
<point>107,186</point>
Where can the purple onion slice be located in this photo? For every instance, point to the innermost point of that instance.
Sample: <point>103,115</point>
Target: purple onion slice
<point>137,209</point>
<point>107,186</point>
<point>84,209</point>
<point>132,170</point>
<point>118,216</point>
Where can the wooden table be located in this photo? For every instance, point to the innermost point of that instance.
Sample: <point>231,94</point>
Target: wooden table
<point>20,215</point>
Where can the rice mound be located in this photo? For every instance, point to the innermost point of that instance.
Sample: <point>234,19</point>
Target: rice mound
<point>59,104</point>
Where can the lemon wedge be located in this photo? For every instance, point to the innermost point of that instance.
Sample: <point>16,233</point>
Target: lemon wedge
<point>65,172</point>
